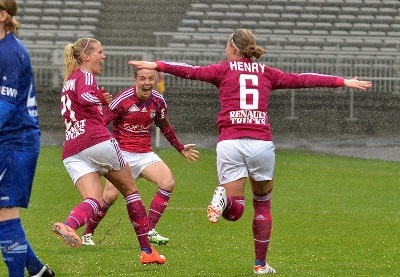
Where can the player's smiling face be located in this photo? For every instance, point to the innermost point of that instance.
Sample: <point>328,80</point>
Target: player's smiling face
<point>145,82</point>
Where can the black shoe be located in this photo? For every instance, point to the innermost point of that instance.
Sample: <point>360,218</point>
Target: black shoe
<point>45,272</point>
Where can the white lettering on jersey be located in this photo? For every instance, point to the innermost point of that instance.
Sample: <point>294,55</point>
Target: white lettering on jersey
<point>77,129</point>
<point>248,116</point>
<point>69,85</point>
<point>247,67</point>
<point>31,103</point>
<point>8,92</point>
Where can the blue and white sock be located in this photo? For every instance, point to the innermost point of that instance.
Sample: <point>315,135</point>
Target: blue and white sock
<point>13,246</point>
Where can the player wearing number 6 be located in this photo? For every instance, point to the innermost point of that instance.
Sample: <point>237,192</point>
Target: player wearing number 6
<point>245,147</point>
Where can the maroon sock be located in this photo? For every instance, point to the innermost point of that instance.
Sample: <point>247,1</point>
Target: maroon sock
<point>94,221</point>
<point>138,217</point>
<point>81,213</point>
<point>157,206</point>
<point>262,225</point>
<point>234,208</point>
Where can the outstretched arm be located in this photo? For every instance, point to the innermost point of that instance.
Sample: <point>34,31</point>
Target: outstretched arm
<point>355,83</point>
<point>143,64</point>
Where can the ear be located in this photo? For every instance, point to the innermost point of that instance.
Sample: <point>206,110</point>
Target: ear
<point>234,50</point>
<point>85,57</point>
<point>3,15</point>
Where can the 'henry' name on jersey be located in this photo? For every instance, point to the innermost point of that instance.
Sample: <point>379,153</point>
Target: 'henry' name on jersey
<point>248,116</point>
<point>247,66</point>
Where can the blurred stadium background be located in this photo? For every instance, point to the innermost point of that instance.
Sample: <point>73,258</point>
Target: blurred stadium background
<point>340,37</point>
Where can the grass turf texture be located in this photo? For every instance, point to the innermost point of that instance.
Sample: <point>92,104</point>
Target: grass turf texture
<point>332,216</point>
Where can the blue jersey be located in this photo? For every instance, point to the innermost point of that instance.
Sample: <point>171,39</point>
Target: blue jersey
<point>19,129</point>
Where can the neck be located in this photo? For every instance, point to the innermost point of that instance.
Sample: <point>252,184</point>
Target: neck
<point>2,33</point>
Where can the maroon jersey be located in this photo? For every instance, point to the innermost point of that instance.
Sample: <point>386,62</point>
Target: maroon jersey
<point>82,112</point>
<point>132,119</point>
<point>244,87</point>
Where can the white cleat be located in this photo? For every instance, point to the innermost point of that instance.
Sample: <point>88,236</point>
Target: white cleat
<point>217,204</point>
<point>155,237</point>
<point>88,239</point>
<point>258,269</point>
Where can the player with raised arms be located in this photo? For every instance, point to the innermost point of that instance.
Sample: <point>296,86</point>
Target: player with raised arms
<point>245,147</point>
<point>89,151</point>
<point>132,113</point>
<point>19,144</point>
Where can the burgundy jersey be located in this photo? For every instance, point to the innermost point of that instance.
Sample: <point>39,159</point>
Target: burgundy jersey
<point>244,87</point>
<point>82,112</point>
<point>132,119</point>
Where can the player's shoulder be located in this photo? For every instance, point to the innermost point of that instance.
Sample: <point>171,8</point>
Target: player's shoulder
<point>123,97</point>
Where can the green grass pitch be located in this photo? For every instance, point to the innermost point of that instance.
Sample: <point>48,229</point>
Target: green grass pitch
<point>332,216</point>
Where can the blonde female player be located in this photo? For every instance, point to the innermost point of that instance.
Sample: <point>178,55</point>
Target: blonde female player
<point>89,151</point>
<point>245,147</point>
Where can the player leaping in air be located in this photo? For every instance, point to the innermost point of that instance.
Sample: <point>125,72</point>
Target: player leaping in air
<point>245,147</point>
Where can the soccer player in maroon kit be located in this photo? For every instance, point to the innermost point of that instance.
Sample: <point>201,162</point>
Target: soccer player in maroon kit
<point>132,113</point>
<point>89,151</point>
<point>245,147</point>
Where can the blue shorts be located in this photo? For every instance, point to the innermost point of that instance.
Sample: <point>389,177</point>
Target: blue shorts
<point>17,169</point>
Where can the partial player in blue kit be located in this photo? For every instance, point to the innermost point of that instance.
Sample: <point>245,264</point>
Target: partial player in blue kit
<point>19,144</point>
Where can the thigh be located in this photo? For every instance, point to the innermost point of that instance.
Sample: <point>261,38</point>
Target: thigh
<point>101,158</point>
<point>122,179</point>
<point>17,170</point>
<point>90,186</point>
<point>159,174</point>
<point>231,164</point>
<point>260,159</point>
<point>139,161</point>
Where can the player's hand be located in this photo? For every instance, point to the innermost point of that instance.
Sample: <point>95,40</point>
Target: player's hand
<point>143,64</point>
<point>190,154</point>
<point>355,83</point>
<point>104,96</point>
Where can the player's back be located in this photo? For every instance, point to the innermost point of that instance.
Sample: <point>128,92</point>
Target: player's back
<point>17,87</point>
<point>82,112</point>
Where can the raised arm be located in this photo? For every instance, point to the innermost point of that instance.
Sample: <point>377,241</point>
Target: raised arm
<point>143,64</point>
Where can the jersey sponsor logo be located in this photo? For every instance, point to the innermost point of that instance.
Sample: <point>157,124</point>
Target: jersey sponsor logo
<point>77,129</point>
<point>136,128</point>
<point>31,102</point>
<point>11,92</point>
<point>247,116</point>
<point>247,66</point>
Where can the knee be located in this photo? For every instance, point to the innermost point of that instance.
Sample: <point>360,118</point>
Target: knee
<point>167,185</point>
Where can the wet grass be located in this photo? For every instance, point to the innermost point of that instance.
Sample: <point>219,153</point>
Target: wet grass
<point>333,216</point>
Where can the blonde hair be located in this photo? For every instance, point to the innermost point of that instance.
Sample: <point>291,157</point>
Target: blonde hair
<point>73,54</point>
<point>245,41</point>
<point>11,24</point>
